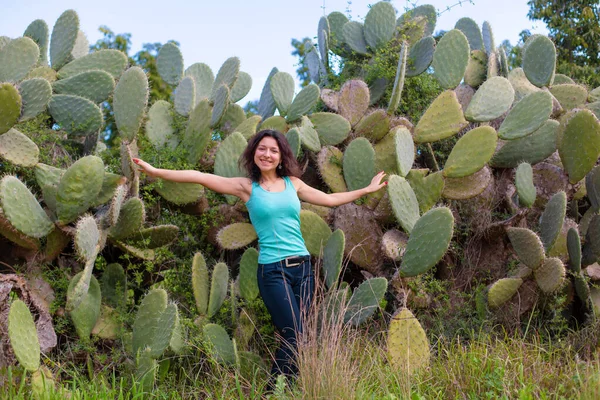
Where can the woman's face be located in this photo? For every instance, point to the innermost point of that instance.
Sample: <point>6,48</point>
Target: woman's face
<point>267,155</point>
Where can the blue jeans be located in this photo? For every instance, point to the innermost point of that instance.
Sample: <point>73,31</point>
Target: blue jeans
<point>287,293</point>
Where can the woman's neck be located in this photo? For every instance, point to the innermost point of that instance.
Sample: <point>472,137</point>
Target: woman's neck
<point>269,177</point>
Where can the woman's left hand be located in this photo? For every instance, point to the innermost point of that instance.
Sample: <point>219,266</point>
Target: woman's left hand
<point>376,183</point>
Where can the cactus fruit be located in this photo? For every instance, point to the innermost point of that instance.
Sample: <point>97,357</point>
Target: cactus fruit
<point>331,128</point>
<point>184,97</point>
<point>359,164</point>
<point>35,94</point>
<point>86,313</point>
<point>78,188</point>
<point>450,59</point>
<point>532,149</point>
<point>464,160</point>
<point>247,276</point>
<point>22,209</point>
<point>236,236</point>
<point>407,342</point>
<point>23,336</point>
<point>365,300</point>
<point>539,60</point>
<point>333,255</point>
<point>329,162</point>
<point>404,202</point>
<point>502,290</point>
<point>380,24</point>
<point>220,343</point>
<point>108,60</point>
<point>527,245</point>
<point>428,241</point>
<point>579,128</point>
<point>129,102</point>
<point>315,231</point>
<point>218,288</point>
<point>304,102</point>
<point>524,183</point>
<point>550,276</point>
<point>428,189</point>
<point>443,118</point>
<point>491,100</point>
<point>18,149</point>
<point>11,106</point>
<point>552,219</point>
<point>17,58</point>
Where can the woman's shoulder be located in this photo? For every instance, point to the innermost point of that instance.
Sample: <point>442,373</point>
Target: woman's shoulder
<point>297,182</point>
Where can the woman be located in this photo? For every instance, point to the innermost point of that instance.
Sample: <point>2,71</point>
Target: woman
<point>272,194</point>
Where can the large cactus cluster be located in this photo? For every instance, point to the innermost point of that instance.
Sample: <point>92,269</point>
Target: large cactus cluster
<point>528,123</point>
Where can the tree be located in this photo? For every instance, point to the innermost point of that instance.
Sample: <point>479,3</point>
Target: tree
<point>575,29</point>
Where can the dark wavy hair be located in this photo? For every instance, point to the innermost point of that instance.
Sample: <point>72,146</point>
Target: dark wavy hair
<point>289,165</point>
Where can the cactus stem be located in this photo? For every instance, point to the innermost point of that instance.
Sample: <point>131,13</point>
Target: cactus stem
<point>399,82</point>
<point>431,160</point>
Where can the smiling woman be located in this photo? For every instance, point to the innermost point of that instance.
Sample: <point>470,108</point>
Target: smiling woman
<point>272,193</point>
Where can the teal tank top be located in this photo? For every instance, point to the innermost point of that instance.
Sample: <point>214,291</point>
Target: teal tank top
<point>276,219</point>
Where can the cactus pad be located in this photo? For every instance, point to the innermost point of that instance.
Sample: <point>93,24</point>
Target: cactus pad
<point>329,162</point>
<point>524,183</point>
<point>87,238</point>
<point>353,32</point>
<point>472,151</point>
<point>420,56</point>
<point>198,133</point>
<point>248,127</point>
<point>331,128</point>
<point>551,275</point>
<point>428,241</point>
<point>78,188</point>
<point>404,202</point>
<point>169,63</point>
<point>293,138</point>
<point>218,288</point>
<point>527,245</point>
<point>526,116</point>
<point>227,75</point>
<point>428,189</point>
<point>532,149</point>
<point>304,102</point>
<point>472,32</point>
<point>63,39</point>
<point>405,150</point>
<point>592,185</point>
<point>467,187</point>
<point>109,60</point>
<point>164,330</point>
<point>221,102</point>
<point>23,336</point>
<point>591,248</point>
<point>220,343</point>
<point>491,100</point>
<point>18,149</point>
<point>407,343</point>
<point>353,100</point>
<point>114,285</point>
<point>380,24</point>
<point>147,319</point>
<point>86,313</point>
<point>365,300</point>
<point>22,209</point>
<point>450,59</point>
<point>501,291</point>
<point>95,86</point>
<point>35,95</point>
<point>373,126</point>
<point>11,106</point>
<point>552,219</point>
<point>476,72</point>
<point>266,103</point>
<point>203,79</point>
<point>17,58</point>
<point>75,114</point>
<point>282,90</point>
<point>241,87</point>
<point>393,244</point>
<point>247,277</point>
<point>180,193</point>
<point>155,237</point>
<point>236,236</point>
<point>443,118</point>
<point>184,97</point>
<point>333,255</point>
<point>129,102</point>
<point>38,32</point>
<point>574,249</point>
<point>578,144</point>
<point>200,283</point>
<point>569,95</point>
<point>159,127</point>
<point>228,154</point>
<point>359,164</point>
<point>539,60</point>
<point>131,218</point>
<point>315,231</point>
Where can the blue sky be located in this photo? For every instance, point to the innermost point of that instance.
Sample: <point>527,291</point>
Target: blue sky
<point>259,32</point>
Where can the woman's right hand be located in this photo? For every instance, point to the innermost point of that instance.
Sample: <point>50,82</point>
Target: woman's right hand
<point>145,167</point>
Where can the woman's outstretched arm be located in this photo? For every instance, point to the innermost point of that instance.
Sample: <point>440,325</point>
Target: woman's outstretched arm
<point>317,197</point>
<point>240,187</point>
